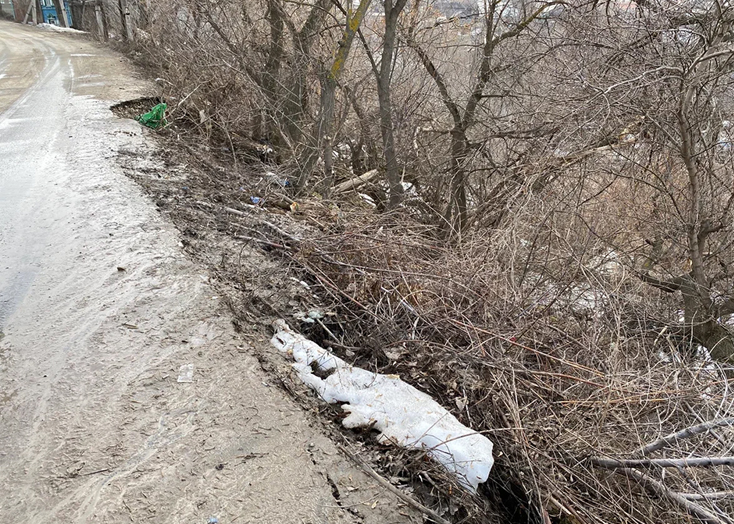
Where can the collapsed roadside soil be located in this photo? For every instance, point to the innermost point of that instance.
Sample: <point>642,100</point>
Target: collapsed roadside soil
<point>252,251</point>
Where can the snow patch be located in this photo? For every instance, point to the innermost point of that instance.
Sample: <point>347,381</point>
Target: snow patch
<point>403,415</point>
<point>52,27</point>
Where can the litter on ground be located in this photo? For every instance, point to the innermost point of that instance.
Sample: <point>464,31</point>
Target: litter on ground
<point>186,373</point>
<point>403,415</point>
<point>154,118</point>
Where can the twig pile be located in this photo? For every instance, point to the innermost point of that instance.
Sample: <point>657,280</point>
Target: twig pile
<point>576,396</point>
<point>599,411</point>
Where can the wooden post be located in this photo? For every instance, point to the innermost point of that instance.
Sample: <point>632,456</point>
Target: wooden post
<point>105,18</point>
<point>126,21</point>
<point>31,4</point>
<point>99,15</point>
<point>36,12</point>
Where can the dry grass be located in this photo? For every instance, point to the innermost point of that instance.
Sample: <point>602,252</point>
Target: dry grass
<point>526,328</point>
<point>525,333</point>
<point>552,382</point>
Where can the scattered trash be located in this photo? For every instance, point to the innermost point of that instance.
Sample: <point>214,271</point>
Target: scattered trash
<point>368,199</point>
<point>121,269</point>
<point>310,317</point>
<point>295,207</point>
<point>264,152</point>
<point>155,118</point>
<point>186,373</point>
<point>403,415</point>
<point>212,520</point>
<point>301,282</point>
<point>129,326</point>
<point>257,201</point>
<point>277,180</point>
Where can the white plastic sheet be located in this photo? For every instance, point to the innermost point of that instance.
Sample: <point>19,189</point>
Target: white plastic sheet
<point>403,415</point>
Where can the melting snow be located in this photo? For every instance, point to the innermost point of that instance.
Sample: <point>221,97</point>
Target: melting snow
<point>402,414</point>
<point>52,27</point>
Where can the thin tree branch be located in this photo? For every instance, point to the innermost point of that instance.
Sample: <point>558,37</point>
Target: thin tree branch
<point>696,462</point>
<point>713,495</point>
<point>685,433</point>
<point>661,489</point>
<point>669,286</point>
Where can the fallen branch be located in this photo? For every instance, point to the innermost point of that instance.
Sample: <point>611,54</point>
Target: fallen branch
<point>260,241</point>
<point>235,211</point>
<point>265,223</point>
<point>354,183</point>
<point>410,501</point>
<point>660,489</point>
<point>714,495</point>
<point>685,433</point>
<point>699,462</point>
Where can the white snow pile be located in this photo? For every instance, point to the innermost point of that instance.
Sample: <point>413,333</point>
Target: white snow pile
<point>402,414</point>
<point>53,27</point>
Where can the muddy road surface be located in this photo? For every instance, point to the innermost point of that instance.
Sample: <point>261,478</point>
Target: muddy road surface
<point>99,309</point>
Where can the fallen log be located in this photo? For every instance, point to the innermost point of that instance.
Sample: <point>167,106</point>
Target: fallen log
<point>354,183</point>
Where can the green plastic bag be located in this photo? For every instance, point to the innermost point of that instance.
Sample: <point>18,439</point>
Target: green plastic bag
<point>154,118</point>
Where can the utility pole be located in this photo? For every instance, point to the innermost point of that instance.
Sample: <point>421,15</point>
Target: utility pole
<point>32,11</point>
<point>61,13</point>
<point>64,13</point>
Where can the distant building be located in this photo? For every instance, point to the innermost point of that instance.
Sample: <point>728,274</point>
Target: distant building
<point>50,16</point>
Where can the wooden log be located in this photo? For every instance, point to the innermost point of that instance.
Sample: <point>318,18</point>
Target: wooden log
<point>354,183</point>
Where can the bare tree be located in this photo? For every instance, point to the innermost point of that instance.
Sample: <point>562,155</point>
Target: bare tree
<point>464,115</point>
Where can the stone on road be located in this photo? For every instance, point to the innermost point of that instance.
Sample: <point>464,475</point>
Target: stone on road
<point>94,426</point>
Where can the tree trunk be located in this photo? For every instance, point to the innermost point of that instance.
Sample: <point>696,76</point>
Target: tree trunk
<point>702,321</point>
<point>102,30</point>
<point>127,30</point>
<point>456,210</point>
<point>296,103</point>
<point>321,138</point>
<point>717,339</point>
<point>273,66</point>
<point>392,169</point>
<point>59,15</point>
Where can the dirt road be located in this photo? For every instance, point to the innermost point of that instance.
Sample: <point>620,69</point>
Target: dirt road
<point>99,308</point>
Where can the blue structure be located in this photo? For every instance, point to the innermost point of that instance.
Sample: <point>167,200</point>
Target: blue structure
<point>50,16</point>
